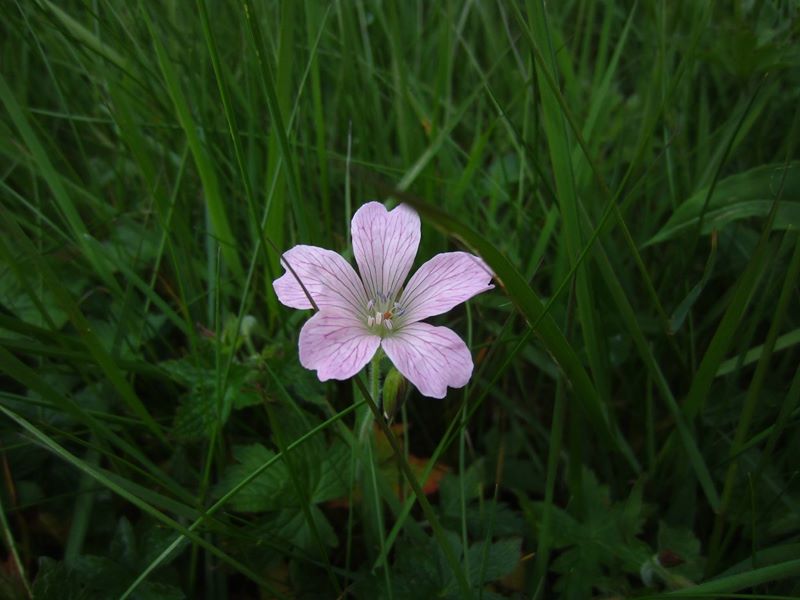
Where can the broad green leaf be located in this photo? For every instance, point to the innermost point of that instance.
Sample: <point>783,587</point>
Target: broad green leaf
<point>109,578</point>
<point>200,409</point>
<point>683,545</point>
<point>599,537</point>
<point>740,196</point>
<point>452,483</point>
<point>56,581</point>
<point>495,519</point>
<point>787,340</point>
<point>291,525</point>
<point>301,383</point>
<point>271,490</point>
<point>16,301</point>
<point>196,417</point>
<point>129,551</point>
<point>421,570</point>
<point>493,560</point>
<point>335,474</point>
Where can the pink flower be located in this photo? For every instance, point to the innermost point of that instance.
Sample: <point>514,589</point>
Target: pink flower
<point>357,315</point>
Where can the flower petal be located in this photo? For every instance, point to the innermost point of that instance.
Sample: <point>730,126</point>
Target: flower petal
<point>446,280</point>
<point>385,244</point>
<point>328,277</point>
<point>431,358</point>
<point>336,345</point>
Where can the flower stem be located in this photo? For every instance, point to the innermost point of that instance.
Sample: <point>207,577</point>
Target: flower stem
<point>367,420</point>
<point>438,531</point>
<point>375,377</point>
<point>370,482</point>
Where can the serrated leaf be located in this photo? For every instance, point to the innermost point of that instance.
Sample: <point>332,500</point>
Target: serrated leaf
<point>415,575</point>
<point>14,299</point>
<point>107,579</point>
<point>184,371</point>
<point>299,381</point>
<point>306,461</point>
<point>195,417</point>
<point>335,476</point>
<point>498,520</point>
<point>11,587</point>
<point>109,576</point>
<point>681,543</point>
<point>599,540</point>
<point>564,528</point>
<point>291,525</point>
<point>132,240</point>
<point>200,410</point>
<point>493,561</point>
<point>579,568</point>
<point>153,539</point>
<point>154,590</point>
<point>271,490</point>
<point>421,570</point>
<point>57,581</point>
<point>452,484</point>
<point>102,574</point>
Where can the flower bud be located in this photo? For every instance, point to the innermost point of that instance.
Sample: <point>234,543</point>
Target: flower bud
<point>394,393</point>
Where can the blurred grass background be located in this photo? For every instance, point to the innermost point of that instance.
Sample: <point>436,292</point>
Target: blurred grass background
<point>629,171</point>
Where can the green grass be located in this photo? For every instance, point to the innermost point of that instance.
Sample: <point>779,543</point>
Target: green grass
<point>629,170</point>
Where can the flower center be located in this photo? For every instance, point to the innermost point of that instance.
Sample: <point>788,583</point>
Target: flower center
<point>382,313</point>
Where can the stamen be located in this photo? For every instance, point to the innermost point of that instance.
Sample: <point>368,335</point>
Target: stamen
<point>381,309</point>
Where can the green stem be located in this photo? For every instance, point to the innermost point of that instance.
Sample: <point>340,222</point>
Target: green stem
<point>367,419</point>
<point>375,389</point>
<point>375,377</point>
<point>427,509</point>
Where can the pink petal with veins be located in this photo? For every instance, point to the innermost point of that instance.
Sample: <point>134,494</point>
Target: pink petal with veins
<point>446,280</point>
<point>432,358</point>
<point>336,345</point>
<point>384,244</point>
<point>328,277</point>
